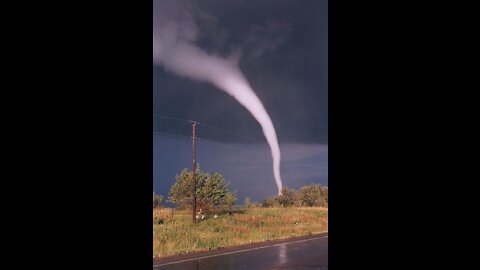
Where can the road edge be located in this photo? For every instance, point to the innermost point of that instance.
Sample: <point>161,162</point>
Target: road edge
<point>199,254</point>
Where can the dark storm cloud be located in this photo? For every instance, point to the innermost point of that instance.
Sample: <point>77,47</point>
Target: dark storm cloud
<point>282,48</point>
<point>175,49</point>
<point>266,39</point>
<point>283,45</point>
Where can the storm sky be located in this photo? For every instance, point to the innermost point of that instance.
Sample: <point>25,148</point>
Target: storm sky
<point>281,48</point>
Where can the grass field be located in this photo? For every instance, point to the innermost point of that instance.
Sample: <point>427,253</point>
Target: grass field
<point>177,234</point>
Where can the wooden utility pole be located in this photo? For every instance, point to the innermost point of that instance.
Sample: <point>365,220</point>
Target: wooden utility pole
<point>194,207</point>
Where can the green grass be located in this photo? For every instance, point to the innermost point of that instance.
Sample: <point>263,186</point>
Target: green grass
<point>178,235</point>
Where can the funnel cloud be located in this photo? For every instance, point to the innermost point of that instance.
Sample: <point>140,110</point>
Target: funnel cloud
<point>174,35</point>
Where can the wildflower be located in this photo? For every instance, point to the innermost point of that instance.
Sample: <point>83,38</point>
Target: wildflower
<point>215,216</point>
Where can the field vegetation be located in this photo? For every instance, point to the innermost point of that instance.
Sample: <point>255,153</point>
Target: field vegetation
<point>176,234</point>
<point>220,222</point>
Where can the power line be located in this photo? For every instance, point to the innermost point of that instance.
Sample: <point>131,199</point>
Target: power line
<point>228,132</point>
<point>208,126</point>
<point>172,135</point>
<point>206,140</point>
<point>229,146</point>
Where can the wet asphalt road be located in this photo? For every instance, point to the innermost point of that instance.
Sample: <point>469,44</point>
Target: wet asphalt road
<point>303,254</point>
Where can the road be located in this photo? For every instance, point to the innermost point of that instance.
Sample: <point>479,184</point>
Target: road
<point>310,253</point>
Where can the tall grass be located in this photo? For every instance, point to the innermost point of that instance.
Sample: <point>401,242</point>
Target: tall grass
<point>177,234</point>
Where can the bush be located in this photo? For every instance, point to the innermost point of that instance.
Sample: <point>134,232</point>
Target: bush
<point>251,204</point>
<point>157,200</point>
<point>287,198</point>
<point>311,195</point>
<point>314,195</point>
<point>270,202</point>
<point>229,200</point>
<point>212,190</point>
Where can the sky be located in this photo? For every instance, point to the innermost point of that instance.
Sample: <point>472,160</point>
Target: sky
<point>280,48</point>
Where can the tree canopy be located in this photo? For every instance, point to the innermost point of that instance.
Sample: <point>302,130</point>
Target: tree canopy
<point>310,195</point>
<point>212,190</point>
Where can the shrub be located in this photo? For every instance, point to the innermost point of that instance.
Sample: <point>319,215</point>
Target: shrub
<point>157,200</point>
<point>311,195</point>
<point>212,190</point>
<point>314,195</point>
<point>270,202</point>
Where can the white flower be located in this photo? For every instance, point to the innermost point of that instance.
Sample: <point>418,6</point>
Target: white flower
<point>215,216</point>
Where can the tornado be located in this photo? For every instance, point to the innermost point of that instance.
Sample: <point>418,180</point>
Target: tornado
<point>174,36</point>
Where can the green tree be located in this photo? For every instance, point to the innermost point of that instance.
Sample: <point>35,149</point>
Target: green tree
<point>297,199</point>
<point>314,195</point>
<point>270,202</point>
<point>230,200</point>
<point>212,190</point>
<point>311,195</point>
<point>157,200</point>
<point>286,198</point>
<point>324,192</point>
